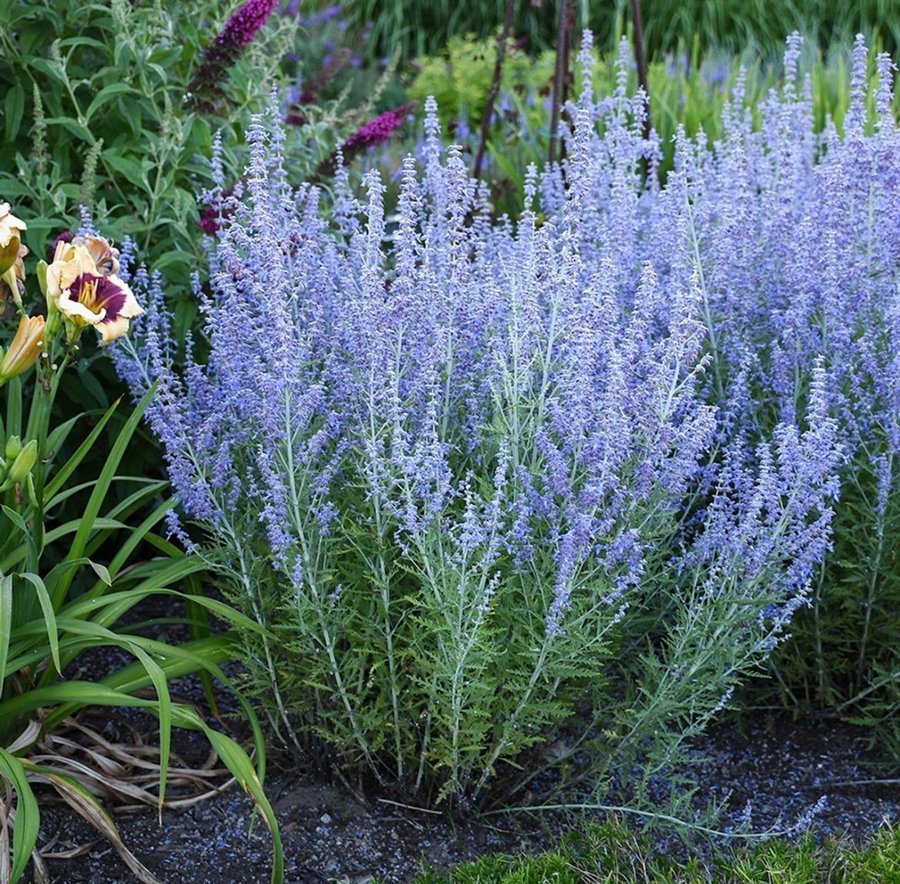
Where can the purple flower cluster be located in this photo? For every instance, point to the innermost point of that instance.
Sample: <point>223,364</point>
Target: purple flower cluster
<point>377,131</point>
<point>239,32</point>
<point>491,441</point>
<point>244,25</point>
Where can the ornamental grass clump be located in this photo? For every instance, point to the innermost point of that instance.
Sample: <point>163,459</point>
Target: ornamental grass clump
<point>511,498</point>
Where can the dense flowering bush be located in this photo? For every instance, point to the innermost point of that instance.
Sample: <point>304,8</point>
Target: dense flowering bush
<point>508,492</point>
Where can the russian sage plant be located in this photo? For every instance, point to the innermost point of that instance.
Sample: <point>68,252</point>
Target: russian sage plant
<point>505,496</point>
<point>799,238</point>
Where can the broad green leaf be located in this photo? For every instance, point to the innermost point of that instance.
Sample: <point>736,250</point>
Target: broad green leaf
<point>14,107</point>
<point>76,128</point>
<point>81,41</point>
<point>126,166</point>
<point>106,94</point>
<point>52,69</point>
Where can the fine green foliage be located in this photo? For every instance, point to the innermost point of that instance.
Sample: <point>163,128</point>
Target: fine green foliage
<point>613,854</point>
<point>844,653</point>
<point>459,78</point>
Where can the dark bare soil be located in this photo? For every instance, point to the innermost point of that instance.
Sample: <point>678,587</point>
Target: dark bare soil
<point>781,771</point>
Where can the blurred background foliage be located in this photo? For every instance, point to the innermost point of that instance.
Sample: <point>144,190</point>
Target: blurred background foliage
<point>670,26</point>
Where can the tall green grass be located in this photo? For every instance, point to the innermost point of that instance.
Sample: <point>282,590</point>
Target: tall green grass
<point>735,25</point>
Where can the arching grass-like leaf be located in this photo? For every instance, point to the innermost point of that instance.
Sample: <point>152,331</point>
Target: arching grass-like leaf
<point>28,818</point>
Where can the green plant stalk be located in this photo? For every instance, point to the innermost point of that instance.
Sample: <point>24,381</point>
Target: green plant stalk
<point>45,390</point>
<point>871,588</point>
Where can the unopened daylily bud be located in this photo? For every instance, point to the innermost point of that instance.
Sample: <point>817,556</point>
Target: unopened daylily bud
<point>23,464</point>
<point>25,348</point>
<point>13,447</point>
<point>14,278</point>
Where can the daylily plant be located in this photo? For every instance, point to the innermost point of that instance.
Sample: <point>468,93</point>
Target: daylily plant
<point>49,615</point>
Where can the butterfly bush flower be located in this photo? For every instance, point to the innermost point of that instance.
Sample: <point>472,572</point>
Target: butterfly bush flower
<point>239,32</point>
<point>377,130</point>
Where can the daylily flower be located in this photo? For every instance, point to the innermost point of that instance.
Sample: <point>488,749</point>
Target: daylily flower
<point>25,348</point>
<point>104,302</point>
<point>70,261</point>
<point>10,237</point>
<point>11,250</point>
<point>83,254</point>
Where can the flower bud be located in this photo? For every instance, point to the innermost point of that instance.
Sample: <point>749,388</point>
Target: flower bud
<point>25,348</point>
<point>14,278</point>
<point>23,464</point>
<point>13,447</point>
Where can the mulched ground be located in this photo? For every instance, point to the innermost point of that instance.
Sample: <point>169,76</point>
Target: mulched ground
<point>782,770</point>
<point>776,769</point>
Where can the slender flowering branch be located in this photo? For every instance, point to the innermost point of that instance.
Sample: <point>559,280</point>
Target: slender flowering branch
<point>376,131</point>
<point>240,30</point>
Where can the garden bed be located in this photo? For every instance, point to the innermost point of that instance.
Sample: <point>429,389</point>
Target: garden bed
<point>782,768</point>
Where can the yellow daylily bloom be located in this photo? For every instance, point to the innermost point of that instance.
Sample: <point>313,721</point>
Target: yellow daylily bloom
<point>25,348</point>
<point>11,229</point>
<point>70,261</point>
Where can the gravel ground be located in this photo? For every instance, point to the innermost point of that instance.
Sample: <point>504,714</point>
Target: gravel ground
<point>779,769</point>
<point>782,770</point>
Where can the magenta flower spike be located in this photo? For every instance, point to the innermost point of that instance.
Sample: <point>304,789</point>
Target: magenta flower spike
<point>239,32</point>
<point>376,131</point>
